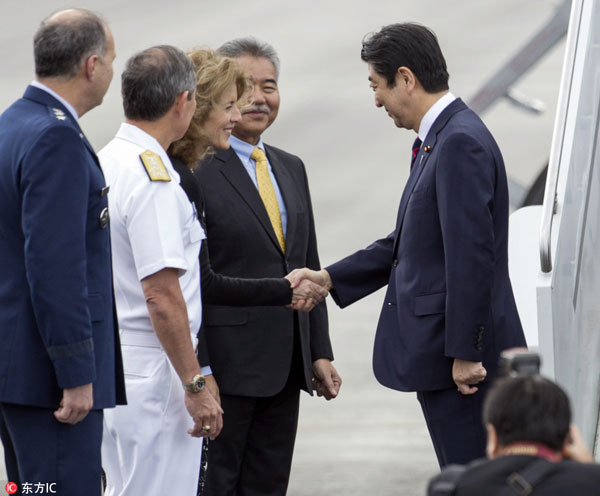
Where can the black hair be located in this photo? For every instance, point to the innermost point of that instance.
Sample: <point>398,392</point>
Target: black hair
<point>528,408</point>
<point>407,45</point>
<point>153,79</point>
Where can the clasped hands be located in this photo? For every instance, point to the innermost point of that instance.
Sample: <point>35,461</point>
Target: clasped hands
<point>310,287</point>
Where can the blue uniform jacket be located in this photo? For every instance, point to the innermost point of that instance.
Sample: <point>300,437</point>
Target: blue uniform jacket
<point>446,263</point>
<point>57,320</point>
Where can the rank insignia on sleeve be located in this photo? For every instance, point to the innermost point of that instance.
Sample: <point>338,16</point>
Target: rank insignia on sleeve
<point>154,166</point>
<point>59,114</point>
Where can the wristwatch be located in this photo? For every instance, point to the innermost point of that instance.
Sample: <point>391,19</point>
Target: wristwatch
<point>198,384</point>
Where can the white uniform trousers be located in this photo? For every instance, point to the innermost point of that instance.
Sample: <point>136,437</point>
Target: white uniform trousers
<point>145,447</point>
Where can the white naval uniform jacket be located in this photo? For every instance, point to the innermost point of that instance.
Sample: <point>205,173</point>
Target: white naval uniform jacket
<point>146,448</point>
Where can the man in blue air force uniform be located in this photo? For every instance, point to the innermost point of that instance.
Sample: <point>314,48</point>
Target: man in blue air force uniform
<point>61,362</point>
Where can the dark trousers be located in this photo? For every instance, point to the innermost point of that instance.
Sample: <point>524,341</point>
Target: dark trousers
<point>455,424</point>
<point>253,454</point>
<point>40,449</point>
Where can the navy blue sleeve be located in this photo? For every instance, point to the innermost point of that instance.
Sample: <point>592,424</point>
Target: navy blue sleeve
<point>362,273</point>
<point>465,184</point>
<point>54,177</point>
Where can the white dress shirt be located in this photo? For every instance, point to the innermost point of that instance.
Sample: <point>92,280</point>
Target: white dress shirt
<point>433,113</point>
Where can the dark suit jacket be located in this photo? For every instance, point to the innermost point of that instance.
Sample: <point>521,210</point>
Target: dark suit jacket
<point>219,289</point>
<point>489,478</point>
<point>446,264</point>
<point>251,347</point>
<point>57,320</point>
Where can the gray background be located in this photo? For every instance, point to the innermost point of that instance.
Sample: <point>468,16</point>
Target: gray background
<point>370,439</point>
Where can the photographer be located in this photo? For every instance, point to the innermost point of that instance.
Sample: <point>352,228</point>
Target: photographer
<point>531,445</point>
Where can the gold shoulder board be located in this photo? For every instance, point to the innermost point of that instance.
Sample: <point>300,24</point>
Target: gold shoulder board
<point>154,166</point>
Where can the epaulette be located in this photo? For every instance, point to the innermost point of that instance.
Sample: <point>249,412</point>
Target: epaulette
<point>154,166</point>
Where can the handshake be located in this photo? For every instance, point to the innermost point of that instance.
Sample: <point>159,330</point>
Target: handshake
<point>309,287</point>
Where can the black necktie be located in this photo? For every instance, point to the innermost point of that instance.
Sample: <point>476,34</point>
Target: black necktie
<point>415,151</point>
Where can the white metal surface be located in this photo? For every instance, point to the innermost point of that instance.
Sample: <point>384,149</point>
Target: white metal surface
<point>565,99</point>
<point>568,309</point>
<point>523,267</point>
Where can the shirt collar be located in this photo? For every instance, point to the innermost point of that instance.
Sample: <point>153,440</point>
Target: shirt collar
<point>433,113</point>
<point>139,137</point>
<point>67,105</point>
<point>243,149</point>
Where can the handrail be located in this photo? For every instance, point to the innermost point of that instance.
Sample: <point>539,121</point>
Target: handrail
<point>501,83</point>
<point>558,136</point>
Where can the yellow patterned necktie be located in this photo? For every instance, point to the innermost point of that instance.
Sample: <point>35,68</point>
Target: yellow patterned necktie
<point>267,194</point>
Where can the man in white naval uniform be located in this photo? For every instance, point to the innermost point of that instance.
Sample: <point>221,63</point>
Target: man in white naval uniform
<point>150,446</point>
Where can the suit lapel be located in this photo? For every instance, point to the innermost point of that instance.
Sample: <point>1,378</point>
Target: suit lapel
<point>287,186</point>
<point>421,160</point>
<point>233,170</point>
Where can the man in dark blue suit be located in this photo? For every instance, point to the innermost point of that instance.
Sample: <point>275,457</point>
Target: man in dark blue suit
<point>61,362</point>
<point>449,309</point>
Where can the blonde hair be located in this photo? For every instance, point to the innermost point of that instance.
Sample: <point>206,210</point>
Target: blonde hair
<point>215,76</point>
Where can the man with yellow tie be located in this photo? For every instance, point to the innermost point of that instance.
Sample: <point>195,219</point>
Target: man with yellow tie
<point>259,223</point>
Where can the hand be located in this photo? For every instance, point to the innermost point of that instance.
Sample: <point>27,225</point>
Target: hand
<point>75,404</point>
<point>466,374</point>
<point>326,381</point>
<point>320,277</point>
<point>306,295</point>
<point>206,412</point>
<point>211,385</point>
<point>575,448</point>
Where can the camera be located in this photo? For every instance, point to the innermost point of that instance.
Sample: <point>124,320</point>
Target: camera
<point>519,361</point>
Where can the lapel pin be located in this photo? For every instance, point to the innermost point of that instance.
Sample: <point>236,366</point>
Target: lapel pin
<point>427,149</point>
